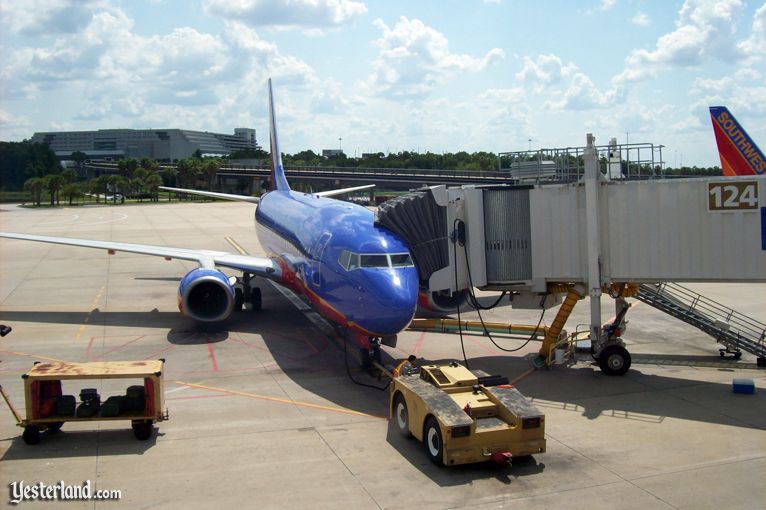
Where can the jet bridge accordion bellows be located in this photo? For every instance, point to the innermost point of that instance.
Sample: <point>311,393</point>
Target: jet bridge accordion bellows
<point>422,224</point>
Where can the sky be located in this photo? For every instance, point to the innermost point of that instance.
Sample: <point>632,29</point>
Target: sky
<point>390,75</point>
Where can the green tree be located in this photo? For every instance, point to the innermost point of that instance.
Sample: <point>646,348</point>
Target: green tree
<point>153,182</point>
<point>69,175</point>
<point>35,186</point>
<point>211,167</point>
<point>53,184</point>
<point>71,191</point>
<point>188,170</point>
<point>79,158</point>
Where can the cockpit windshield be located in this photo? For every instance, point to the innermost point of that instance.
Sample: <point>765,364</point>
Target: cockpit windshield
<point>351,261</point>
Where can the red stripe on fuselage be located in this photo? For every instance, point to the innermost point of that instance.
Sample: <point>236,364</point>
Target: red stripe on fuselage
<point>294,282</point>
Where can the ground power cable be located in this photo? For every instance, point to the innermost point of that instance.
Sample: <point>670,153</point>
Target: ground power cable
<point>472,298</point>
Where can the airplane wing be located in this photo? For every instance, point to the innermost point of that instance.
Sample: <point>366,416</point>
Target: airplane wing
<point>333,192</point>
<point>213,194</point>
<point>261,266</point>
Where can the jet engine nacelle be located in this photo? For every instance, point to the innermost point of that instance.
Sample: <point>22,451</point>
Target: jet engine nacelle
<point>442,302</point>
<point>206,295</point>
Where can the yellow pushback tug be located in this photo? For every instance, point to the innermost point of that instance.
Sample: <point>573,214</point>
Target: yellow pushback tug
<point>462,417</point>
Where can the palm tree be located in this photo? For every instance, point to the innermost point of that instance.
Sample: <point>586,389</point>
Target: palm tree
<point>71,191</point>
<point>153,182</point>
<point>35,186</point>
<point>53,183</point>
<point>211,169</point>
<point>121,184</point>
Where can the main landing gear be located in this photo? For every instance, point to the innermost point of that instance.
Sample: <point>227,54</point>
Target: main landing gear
<point>245,293</point>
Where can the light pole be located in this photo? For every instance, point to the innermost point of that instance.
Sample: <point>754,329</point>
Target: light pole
<point>530,144</point>
<point>340,144</point>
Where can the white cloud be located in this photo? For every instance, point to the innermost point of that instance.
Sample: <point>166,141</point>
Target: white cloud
<point>45,17</point>
<point>704,28</point>
<point>311,14</point>
<point>640,19</point>
<point>413,58</point>
<point>567,86</point>
<point>607,5</point>
<point>755,46</point>
<point>741,99</point>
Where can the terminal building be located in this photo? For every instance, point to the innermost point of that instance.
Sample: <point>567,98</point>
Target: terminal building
<point>159,144</point>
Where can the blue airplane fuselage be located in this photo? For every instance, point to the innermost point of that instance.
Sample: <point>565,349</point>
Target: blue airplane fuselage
<point>351,271</point>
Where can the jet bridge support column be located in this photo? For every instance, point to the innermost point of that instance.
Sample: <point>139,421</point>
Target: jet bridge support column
<point>592,182</point>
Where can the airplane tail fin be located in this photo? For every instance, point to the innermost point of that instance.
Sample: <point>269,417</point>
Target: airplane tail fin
<point>278,179</point>
<point>739,153</point>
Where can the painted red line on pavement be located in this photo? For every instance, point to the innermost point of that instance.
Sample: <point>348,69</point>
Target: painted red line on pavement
<point>154,354</point>
<point>88,355</point>
<point>481,345</point>
<point>122,346</point>
<point>419,343</point>
<point>212,355</point>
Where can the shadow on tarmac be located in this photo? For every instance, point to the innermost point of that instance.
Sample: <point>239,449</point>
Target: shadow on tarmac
<point>466,474</point>
<point>80,443</point>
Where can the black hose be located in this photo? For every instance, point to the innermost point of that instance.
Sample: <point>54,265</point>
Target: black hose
<point>348,371</point>
<point>454,261</point>
<point>478,311</point>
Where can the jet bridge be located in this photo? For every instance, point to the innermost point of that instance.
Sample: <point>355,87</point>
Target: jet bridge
<point>598,233</point>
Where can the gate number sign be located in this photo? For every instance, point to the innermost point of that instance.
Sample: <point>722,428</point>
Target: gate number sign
<point>732,196</point>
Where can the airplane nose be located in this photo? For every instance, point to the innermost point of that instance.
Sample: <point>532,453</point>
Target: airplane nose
<point>394,297</point>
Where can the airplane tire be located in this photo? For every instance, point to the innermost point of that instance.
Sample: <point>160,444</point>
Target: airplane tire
<point>401,416</point>
<point>255,299</point>
<point>614,360</point>
<point>433,441</point>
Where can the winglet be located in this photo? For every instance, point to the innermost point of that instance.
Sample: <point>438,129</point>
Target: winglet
<point>278,179</point>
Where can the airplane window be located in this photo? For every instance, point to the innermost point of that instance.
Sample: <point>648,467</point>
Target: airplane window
<point>374,261</point>
<point>353,261</point>
<point>345,257</point>
<point>401,260</point>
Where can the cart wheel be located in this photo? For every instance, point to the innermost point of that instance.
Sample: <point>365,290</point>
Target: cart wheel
<point>31,434</point>
<point>55,426</point>
<point>255,299</point>
<point>432,439</point>
<point>401,416</point>
<point>614,360</point>
<point>737,355</point>
<point>142,430</point>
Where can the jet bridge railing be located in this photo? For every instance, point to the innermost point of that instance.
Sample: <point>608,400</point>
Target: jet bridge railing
<point>726,325</point>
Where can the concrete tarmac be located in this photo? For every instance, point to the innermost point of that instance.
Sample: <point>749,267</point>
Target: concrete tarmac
<point>264,415</point>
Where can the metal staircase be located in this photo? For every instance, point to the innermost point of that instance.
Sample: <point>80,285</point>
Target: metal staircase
<point>733,330</point>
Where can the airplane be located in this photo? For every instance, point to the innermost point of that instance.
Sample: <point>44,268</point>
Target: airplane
<point>358,275</point>
<point>739,153</point>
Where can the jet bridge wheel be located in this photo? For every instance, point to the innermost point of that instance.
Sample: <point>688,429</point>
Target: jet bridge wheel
<point>614,360</point>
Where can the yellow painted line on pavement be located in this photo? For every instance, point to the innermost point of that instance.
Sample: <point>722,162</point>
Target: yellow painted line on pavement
<point>87,317</point>
<point>36,356</point>
<point>236,245</point>
<point>280,400</point>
